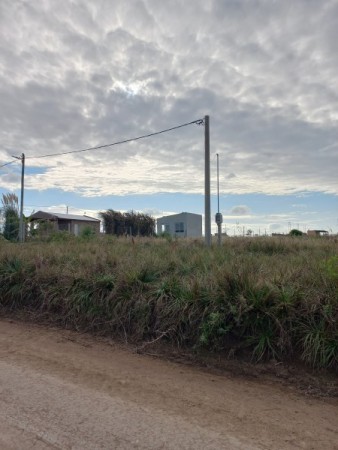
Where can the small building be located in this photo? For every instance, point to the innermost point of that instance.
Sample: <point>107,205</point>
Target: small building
<point>317,233</point>
<point>72,223</point>
<point>181,225</point>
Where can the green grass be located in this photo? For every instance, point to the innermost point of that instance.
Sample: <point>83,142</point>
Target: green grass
<point>258,297</point>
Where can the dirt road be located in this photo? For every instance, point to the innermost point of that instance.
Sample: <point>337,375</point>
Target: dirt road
<point>62,390</point>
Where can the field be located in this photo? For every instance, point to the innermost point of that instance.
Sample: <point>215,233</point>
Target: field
<point>256,298</point>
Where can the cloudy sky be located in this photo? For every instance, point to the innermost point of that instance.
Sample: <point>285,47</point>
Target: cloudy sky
<point>77,73</point>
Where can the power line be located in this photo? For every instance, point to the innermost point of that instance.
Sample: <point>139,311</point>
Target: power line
<point>39,206</point>
<point>7,164</point>
<point>198,122</point>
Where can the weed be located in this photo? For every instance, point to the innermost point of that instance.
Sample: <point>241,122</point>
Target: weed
<point>319,343</point>
<point>269,297</point>
<point>331,267</point>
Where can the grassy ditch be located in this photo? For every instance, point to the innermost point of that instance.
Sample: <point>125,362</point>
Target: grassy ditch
<point>263,297</point>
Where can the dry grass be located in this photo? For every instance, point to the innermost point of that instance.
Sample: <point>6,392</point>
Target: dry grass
<point>264,297</point>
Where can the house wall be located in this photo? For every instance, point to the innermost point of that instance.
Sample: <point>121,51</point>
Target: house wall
<point>167,225</point>
<point>192,225</point>
<point>45,227</point>
<point>63,225</point>
<point>194,222</point>
<point>317,232</point>
<point>76,226</point>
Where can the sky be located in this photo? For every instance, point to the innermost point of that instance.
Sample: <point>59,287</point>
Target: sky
<point>76,74</point>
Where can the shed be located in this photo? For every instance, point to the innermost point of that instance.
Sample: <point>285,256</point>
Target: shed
<point>181,225</point>
<point>66,222</point>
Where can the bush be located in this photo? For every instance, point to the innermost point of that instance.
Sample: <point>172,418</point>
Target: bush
<point>295,232</point>
<point>87,233</point>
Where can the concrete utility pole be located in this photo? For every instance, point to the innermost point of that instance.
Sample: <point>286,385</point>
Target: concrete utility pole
<point>218,217</point>
<point>21,223</point>
<point>207,211</point>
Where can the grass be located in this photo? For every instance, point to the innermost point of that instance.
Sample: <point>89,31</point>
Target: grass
<point>258,297</point>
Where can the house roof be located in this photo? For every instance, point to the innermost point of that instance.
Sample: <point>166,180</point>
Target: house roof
<point>172,216</point>
<point>41,215</point>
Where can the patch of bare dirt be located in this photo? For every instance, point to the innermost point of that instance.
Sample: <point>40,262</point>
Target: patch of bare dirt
<point>312,382</point>
<point>291,374</point>
<point>62,389</point>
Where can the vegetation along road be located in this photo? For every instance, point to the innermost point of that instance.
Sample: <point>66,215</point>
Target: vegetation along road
<point>61,389</point>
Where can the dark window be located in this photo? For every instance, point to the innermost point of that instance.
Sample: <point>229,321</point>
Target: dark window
<point>179,227</point>
<point>64,225</point>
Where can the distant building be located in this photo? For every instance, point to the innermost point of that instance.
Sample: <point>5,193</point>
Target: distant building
<point>317,233</point>
<point>181,225</point>
<point>66,222</point>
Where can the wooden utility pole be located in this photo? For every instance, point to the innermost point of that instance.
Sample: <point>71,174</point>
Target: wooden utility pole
<point>207,212</point>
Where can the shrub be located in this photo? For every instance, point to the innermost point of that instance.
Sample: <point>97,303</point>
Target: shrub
<point>87,233</point>
<point>295,232</point>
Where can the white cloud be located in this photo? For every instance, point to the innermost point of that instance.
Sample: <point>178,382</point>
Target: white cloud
<point>80,74</point>
<point>274,227</point>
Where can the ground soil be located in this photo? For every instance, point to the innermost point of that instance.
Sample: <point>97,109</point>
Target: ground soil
<point>63,390</point>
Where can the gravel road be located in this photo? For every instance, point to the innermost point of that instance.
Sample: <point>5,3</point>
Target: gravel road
<point>63,390</point>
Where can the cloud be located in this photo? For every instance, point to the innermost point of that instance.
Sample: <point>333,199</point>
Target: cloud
<point>240,210</point>
<point>275,226</point>
<point>80,74</point>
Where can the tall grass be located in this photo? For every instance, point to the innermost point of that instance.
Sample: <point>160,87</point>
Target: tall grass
<point>263,297</point>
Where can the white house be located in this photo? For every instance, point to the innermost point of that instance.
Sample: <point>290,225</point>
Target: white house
<point>181,225</point>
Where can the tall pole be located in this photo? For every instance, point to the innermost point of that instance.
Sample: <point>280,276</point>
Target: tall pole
<point>21,223</point>
<point>207,211</point>
<point>219,221</point>
<point>217,155</point>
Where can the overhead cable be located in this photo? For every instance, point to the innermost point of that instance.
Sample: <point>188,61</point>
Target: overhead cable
<point>8,163</point>
<point>198,122</point>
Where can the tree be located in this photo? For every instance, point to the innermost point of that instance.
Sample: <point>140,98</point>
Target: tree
<point>295,232</point>
<point>10,212</point>
<point>112,221</point>
<point>131,223</point>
